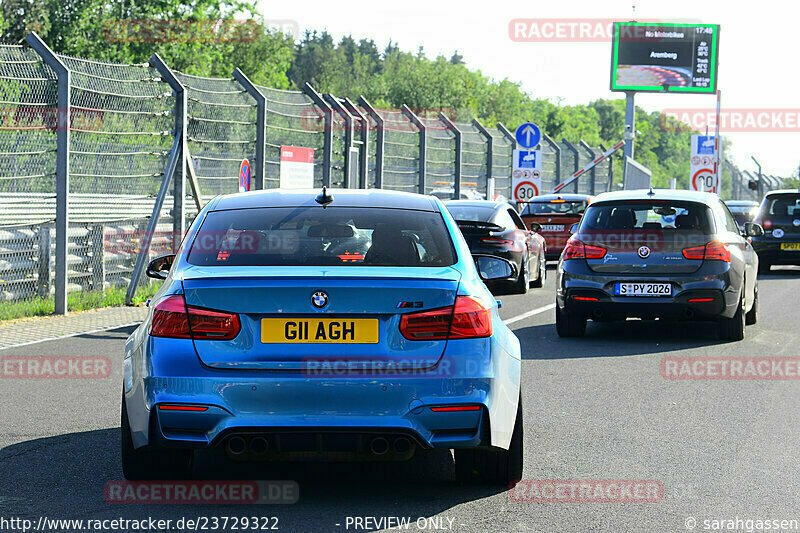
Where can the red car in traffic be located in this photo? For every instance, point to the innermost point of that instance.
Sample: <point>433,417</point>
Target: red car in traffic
<point>555,213</point>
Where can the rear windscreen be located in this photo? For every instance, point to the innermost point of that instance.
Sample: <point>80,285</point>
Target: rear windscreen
<point>660,215</point>
<point>313,236</point>
<point>783,205</point>
<point>471,213</point>
<point>554,207</point>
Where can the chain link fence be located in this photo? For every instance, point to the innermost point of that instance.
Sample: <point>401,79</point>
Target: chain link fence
<point>126,154</point>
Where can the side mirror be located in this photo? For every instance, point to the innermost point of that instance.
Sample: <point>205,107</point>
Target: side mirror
<point>536,227</point>
<point>493,268</point>
<point>573,229</point>
<point>752,185</point>
<point>751,229</point>
<point>159,267</point>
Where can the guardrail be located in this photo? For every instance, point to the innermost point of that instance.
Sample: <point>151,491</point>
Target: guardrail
<point>100,256</point>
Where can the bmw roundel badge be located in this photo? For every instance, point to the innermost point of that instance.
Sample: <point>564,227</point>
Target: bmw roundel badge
<point>644,252</point>
<point>319,299</point>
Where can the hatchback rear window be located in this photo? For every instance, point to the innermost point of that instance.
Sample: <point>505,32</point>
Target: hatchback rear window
<point>554,207</point>
<point>783,205</point>
<point>645,215</point>
<point>313,236</point>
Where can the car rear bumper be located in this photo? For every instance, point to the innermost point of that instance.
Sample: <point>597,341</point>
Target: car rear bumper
<point>322,408</point>
<point>769,251</point>
<point>705,294</point>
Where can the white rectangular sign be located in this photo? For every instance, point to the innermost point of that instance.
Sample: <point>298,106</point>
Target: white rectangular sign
<point>526,175</point>
<point>297,167</point>
<point>702,175</point>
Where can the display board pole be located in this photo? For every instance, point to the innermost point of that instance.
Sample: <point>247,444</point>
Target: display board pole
<point>717,149</point>
<point>630,128</point>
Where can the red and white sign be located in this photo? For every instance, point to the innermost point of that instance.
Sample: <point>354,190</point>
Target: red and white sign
<point>703,164</point>
<point>297,167</point>
<point>525,191</point>
<point>704,180</point>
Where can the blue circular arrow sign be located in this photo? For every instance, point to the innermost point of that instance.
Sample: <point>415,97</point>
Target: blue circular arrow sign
<point>528,135</point>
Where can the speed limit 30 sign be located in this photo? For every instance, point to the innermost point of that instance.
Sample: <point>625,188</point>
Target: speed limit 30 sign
<point>525,191</point>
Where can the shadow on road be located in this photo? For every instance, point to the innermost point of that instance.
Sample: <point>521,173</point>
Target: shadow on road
<point>614,339</point>
<point>64,476</point>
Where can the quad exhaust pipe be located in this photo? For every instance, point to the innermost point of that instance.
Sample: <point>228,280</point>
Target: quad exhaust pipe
<point>237,445</point>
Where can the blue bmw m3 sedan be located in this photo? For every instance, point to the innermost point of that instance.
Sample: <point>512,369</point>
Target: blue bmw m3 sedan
<point>337,323</point>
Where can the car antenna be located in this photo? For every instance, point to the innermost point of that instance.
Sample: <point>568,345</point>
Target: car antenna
<point>324,198</point>
<point>651,192</point>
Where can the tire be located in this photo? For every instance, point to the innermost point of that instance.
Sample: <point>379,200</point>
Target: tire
<point>764,267</point>
<point>148,463</point>
<point>542,277</point>
<point>752,315</point>
<point>523,281</point>
<point>569,324</point>
<point>732,329</point>
<point>494,466</point>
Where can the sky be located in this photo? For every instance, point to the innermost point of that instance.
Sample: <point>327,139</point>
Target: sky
<point>756,55</point>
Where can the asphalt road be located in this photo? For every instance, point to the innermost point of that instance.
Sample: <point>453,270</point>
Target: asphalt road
<point>595,409</point>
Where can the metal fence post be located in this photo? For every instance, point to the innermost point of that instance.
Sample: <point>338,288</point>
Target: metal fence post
<point>423,144</point>
<point>98,264</point>
<point>327,146</point>
<point>380,136</point>
<point>179,189</point>
<point>489,157</point>
<point>592,156</point>
<point>348,136</point>
<point>610,184</point>
<point>363,154</point>
<point>459,148</point>
<point>557,149</point>
<point>43,262</point>
<point>261,127</point>
<point>577,164</point>
<point>62,165</point>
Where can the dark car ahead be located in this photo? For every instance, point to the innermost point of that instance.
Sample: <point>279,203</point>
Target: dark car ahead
<point>658,254</point>
<point>555,213</point>
<point>743,210</point>
<point>496,229</point>
<point>779,215</point>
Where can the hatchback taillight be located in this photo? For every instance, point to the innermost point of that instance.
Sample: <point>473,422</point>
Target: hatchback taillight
<point>173,318</point>
<point>712,251</point>
<point>576,249</point>
<point>467,319</point>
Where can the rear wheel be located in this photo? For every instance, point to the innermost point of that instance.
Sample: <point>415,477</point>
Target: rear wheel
<point>569,324</point>
<point>732,329</point>
<point>542,277</point>
<point>752,315</point>
<point>149,463</point>
<point>524,279</point>
<point>493,466</point>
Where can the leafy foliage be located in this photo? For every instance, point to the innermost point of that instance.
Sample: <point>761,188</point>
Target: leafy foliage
<point>129,32</point>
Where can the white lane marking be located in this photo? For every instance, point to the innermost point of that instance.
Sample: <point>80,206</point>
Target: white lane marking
<point>109,328</point>
<point>529,314</point>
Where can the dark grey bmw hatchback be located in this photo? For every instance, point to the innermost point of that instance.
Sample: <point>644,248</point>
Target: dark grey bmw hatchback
<point>665,254</point>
